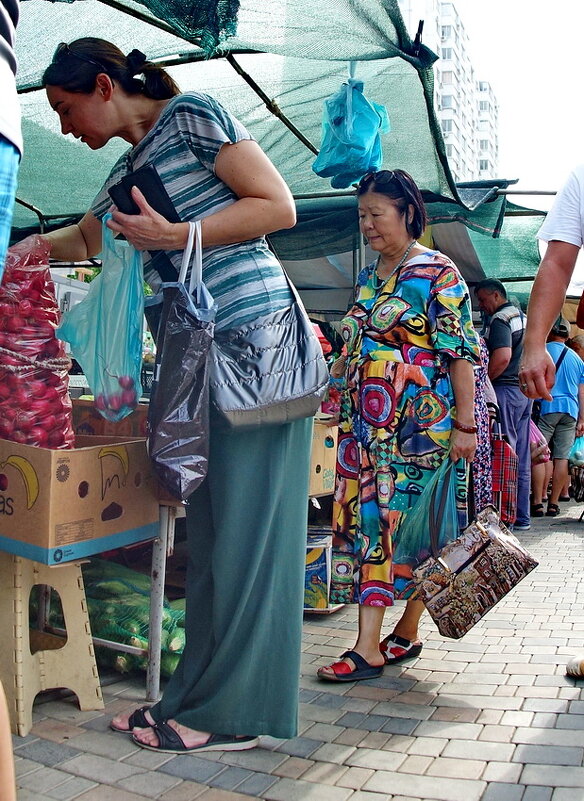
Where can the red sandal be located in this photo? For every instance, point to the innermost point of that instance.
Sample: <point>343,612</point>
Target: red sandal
<point>395,649</point>
<point>344,672</point>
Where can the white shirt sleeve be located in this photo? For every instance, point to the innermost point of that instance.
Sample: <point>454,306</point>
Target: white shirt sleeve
<point>565,219</point>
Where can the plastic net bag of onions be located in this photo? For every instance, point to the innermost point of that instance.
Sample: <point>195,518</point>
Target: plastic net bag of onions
<point>35,407</point>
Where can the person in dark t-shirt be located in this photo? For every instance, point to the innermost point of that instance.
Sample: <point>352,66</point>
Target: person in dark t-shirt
<point>504,334</point>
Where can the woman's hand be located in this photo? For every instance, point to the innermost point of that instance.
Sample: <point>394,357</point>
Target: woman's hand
<point>148,230</point>
<point>338,367</point>
<point>462,445</point>
<point>537,373</point>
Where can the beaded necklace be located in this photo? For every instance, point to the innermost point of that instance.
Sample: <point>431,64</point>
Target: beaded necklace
<point>379,282</point>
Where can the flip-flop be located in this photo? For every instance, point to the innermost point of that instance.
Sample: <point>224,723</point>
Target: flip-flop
<point>170,742</point>
<point>344,672</point>
<point>137,720</point>
<point>395,649</point>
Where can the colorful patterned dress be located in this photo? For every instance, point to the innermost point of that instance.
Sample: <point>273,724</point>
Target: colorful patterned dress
<point>395,422</point>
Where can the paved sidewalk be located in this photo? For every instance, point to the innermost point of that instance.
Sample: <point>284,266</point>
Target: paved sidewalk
<point>490,717</point>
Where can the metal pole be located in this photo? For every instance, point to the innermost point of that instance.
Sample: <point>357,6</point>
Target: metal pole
<point>158,570</point>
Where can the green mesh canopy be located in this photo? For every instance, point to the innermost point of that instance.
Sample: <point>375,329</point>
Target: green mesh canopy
<point>272,63</point>
<point>303,50</point>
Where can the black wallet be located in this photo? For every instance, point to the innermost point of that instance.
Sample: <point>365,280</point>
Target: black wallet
<point>150,184</point>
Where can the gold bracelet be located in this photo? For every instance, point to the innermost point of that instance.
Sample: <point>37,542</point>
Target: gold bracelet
<point>464,429</point>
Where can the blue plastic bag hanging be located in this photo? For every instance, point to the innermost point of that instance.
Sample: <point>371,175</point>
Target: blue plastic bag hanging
<point>576,455</point>
<point>105,329</point>
<point>351,128</point>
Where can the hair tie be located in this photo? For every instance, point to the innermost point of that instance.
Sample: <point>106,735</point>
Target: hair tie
<point>135,61</point>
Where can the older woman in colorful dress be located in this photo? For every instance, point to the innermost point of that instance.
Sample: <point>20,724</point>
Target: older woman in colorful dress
<point>408,405</point>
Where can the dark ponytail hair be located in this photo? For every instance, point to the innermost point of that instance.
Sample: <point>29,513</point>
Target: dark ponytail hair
<point>76,66</point>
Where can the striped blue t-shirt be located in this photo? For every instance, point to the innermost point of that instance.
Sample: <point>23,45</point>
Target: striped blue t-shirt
<point>245,279</point>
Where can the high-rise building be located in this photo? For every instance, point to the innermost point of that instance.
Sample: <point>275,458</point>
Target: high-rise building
<point>466,105</point>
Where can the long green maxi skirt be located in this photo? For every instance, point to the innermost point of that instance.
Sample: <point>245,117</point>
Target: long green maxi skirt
<point>246,530</point>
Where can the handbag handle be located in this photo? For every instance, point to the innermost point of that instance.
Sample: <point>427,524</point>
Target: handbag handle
<point>196,279</point>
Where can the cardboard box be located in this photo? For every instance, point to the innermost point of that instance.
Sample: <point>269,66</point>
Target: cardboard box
<point>323,459</point>
<point>61,505</point>
<point>87,420</point>
<point>317,576</point>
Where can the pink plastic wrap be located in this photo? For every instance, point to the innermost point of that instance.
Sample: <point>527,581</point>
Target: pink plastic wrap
<point>35,407</point>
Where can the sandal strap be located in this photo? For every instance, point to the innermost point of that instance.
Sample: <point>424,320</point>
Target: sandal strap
<point>360,663</point>
<point>168,737</point>
<point>138,719</point>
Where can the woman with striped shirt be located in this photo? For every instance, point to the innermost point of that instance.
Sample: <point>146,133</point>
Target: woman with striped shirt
<point>246,524</point>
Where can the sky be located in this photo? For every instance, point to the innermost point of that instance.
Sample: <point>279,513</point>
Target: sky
<point>530,51</point>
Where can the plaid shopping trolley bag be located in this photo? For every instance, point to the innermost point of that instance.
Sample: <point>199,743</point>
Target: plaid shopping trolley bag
<point>505,471</point>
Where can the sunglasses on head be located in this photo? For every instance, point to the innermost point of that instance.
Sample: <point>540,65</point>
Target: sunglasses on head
<point>63,51</point>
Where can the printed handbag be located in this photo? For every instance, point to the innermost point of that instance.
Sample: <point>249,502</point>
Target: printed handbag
<point>269,371</point>
<point>462,581</point>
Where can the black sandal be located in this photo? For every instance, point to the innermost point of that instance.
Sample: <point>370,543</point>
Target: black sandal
<point>170,742</point>
<point>537,510</point>
<point>553,510</point>
<point>137,720</point>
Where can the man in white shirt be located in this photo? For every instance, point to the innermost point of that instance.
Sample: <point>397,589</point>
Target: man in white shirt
<point>10,132</point>
<point>563,230</point>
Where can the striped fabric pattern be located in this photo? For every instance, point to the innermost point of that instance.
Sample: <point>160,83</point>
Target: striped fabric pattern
<point>245,279</point>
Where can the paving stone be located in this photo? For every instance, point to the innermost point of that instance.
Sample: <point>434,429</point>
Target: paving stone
<point>46,752</point>
<point>23,766</point>
<point>185,791</point>
<point>549,737</point>
<point>553,776</point>
<point>548,755</point>
<point>32,795</point>
<point>42,780</point>
<point>500,752</point>
<point>113,746</point>
<point>416,764</point>
<point>56,730</point>
<point>229,778</point>
<point>538,794</point>
<point>333,752</point>
<point>400,726</point>
<point>376,739</point>
<point>72,788</point>
<point>545,705</point>
<point>456,731</point>
<point>113,794</point>
<point>456,768</point>
<point>502,772</point>
<point>256,784</point>
<point>193,768</point>
<point>497,734</point>
<point>570,722</point>
<point>151,783</point>
<point>325,773</point>
<point>426,786</point>
<point>99,769</point>
<point>362,795</point>
<point>354,778</point>
<point>257,759</point>
<point>563,794</point>
<point>300,746</point>
<point>427,746</point>
<point>376,759</point>
<point>290,790</point>
<point>503,792</point>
